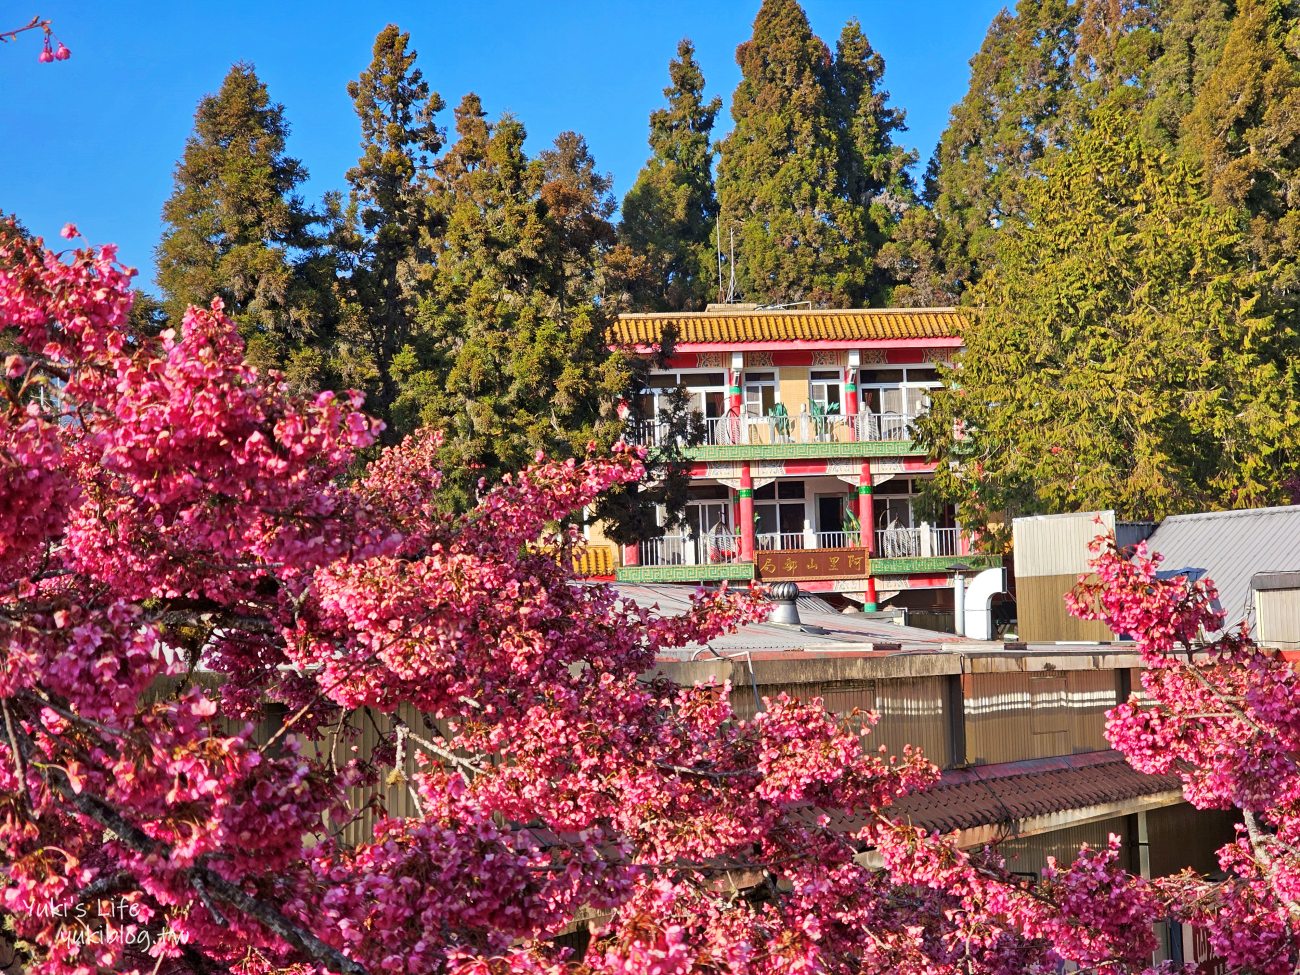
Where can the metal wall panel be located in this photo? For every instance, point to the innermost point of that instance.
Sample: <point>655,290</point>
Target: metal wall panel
<point>1042,615</point>
<point>1053,545</point>
<point>1029,855</point>
<point>1015,716</point>
<point>1277,618</point>
<point>912,710</point>
<point>1183,836</point>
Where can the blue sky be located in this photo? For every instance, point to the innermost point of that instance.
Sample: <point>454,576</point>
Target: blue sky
<point>93,140</point>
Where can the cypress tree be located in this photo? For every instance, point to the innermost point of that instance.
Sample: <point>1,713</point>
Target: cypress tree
<point>510,357</point>
<point>386,236</point>
<point>235,229</point>
<point>671,211</point>
<point>1244,129</point>
<point>873,168</point>
<point>1017,106</point>
<point>779,175</point>
<point>1119,354</point>
<point>1191,38</point>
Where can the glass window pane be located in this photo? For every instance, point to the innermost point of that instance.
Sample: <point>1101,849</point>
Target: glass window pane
<point>791,518</point>
<point>881,376</point>
<point>789,489</point>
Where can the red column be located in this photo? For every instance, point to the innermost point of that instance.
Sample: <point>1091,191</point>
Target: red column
<point>867,523</point>
<point>631,554</point>
<point>866,509</point>
<point>746,513</point>
<point>850,393</point>
<point>737,403</point>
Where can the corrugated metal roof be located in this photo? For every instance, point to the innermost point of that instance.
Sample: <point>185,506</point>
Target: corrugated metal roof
<point>747,326</point>
<point>1229,547</point>
<point>843,631</point>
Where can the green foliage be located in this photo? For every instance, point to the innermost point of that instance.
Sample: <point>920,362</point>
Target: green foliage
<point>671,211</point>
<point>1120,355</point>
<point>809,177</point>
<point>235,229</point>
<point>509,355</point>
<point>1014,110</point>
<point>1244,130</point>
<point>1191,36</point>
<point>385,236</point>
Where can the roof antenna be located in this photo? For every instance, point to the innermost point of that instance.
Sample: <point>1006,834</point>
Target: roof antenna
<point>720,297</point>
<point>731,285</point>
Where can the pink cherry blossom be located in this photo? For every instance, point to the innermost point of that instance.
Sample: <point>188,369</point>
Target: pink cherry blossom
<point>260,690</point>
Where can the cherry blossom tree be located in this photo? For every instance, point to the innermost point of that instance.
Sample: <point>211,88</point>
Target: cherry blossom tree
<point>48,53</point>
<point>208,583</point>
<point>1224,715</point>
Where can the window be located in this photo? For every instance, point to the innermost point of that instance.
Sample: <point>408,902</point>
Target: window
<point>706,392</point>
<point>779,514</point>
<point>760,393</point>
<point>903,392</point>
<point>825,389</point>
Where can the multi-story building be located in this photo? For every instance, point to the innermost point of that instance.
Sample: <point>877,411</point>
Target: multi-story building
<point>807,471</point>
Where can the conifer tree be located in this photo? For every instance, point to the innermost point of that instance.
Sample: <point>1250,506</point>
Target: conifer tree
<point>1191,37</point>
<point>873,168</point>
<point>1119,354</point>
<point>670,213</point>
<point>1244,130</point>
<point>386,235</point>
<point>779,175</point>
<point>510,355</point>
<point>236,229</point>
<point>1020,96</point>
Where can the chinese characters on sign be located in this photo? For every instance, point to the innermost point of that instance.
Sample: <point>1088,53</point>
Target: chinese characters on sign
<point>812,564</point>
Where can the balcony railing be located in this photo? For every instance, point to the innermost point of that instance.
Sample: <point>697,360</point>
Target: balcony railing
<point>682,549</point>
<point>785,541</point>
<point>910,543</point>
<point>803,428</point>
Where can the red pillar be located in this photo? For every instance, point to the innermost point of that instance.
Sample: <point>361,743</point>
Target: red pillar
<point>746,513</point>
<point>866,509</point>
<point>867,523</point>
<point>737,403</point>
<point>851,402</point>
<point>631,554</point>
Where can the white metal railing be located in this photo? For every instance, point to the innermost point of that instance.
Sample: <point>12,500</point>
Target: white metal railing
<point>805,540</point>
<point>908,543</point>
<point>685,549</point>
<point>885,426</point>
<point>746,428</point>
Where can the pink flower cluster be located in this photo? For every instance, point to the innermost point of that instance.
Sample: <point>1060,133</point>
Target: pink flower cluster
<point>302,721</point>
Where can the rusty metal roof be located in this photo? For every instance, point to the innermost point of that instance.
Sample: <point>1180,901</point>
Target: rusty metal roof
<point>750,326</point>
<point>1008,793</point>
<point>1014,791</point>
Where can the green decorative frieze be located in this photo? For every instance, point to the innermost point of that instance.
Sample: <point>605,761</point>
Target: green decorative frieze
<point>789,451</point>
<point>903,567</point>
<point>729,572</point>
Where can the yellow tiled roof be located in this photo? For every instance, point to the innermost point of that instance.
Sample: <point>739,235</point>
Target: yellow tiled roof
<point>856,324</point>
<point>597,560</point>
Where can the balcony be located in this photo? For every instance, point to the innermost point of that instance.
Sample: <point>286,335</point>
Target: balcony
<point>917,543</point>
<point>749,430</point>
<point>798,541</point>
<point>683,549</point>
<point>689,558</point>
